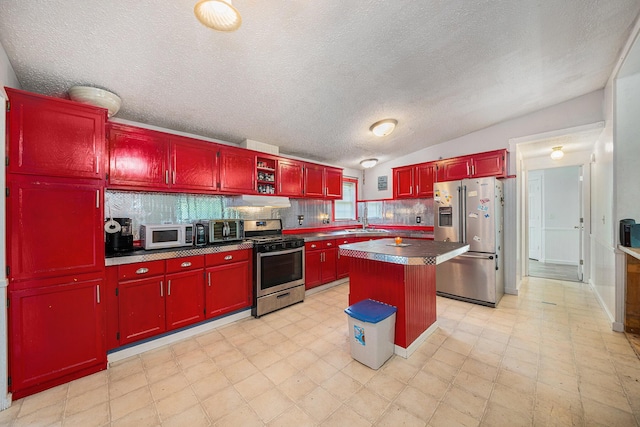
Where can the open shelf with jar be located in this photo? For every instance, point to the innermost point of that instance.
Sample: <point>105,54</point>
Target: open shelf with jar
<point>266,176</point>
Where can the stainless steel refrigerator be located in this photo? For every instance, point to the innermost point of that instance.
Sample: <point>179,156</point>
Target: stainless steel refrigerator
<point>471,211</point>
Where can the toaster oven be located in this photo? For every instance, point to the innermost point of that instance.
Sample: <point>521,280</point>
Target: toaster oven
<point>225,230</point>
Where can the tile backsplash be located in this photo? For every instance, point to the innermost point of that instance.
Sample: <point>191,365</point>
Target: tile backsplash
<point>159,208</point>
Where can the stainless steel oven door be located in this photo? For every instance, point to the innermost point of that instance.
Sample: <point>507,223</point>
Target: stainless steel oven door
<point>279,270</point>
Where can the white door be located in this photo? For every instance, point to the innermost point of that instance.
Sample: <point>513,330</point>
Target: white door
<point>535,215</point>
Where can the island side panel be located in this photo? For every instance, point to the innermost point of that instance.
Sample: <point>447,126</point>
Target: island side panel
<point>409,288</point>
<point>382,282</point>
<point>420,299</point>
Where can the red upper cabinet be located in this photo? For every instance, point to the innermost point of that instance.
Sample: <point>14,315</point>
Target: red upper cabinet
<point>54,137</point>
<point>313,181</point>
<point>138,158</point>
<point>425,176</point>
<point>267,178</point>
<point>403,185</point>
<point>194,164</point>
<point>333,186</point>
<point>56,227</point>
<point>492,163</point>
<point>290,178</point>
<point>237,170</point>
<point>322,182</point>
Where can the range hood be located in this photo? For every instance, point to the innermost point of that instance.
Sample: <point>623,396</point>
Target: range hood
<point>259,201</point>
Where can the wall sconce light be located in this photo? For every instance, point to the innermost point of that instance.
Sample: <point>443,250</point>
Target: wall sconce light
<point>368,163</point>
<point>300,219</point>
<point>383,127</point>
<point>557,153</point>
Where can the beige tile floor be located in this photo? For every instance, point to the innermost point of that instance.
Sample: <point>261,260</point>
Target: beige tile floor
<point>546,357</point>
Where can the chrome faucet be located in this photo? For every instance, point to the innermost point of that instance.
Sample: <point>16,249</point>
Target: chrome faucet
<point>365,222</point>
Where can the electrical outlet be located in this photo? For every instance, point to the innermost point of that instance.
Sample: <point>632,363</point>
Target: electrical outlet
<point>418,219</point>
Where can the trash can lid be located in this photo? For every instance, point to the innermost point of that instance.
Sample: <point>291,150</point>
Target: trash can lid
<point>370,311</point>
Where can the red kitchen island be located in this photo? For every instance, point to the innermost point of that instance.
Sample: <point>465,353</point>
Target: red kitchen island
<point>401,275</point>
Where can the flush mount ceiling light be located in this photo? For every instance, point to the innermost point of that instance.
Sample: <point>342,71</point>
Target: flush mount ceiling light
<point>219,15</point>
<point>557,153</point>
<point>368,163</point>
<point>383,127</point>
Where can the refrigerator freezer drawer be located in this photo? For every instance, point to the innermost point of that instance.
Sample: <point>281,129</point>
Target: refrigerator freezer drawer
<point>471,277</point>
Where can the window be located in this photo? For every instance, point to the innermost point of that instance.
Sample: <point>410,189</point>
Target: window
<point>345,209</point>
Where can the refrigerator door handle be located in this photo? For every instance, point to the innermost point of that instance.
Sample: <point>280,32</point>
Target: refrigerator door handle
<point>463,214</point>
<point>468,255</point>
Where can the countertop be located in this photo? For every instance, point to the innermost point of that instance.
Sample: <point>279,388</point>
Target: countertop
<point>141,255</point>
<point>634,252</point>
<point>410,252</point>
<point>370,232</point>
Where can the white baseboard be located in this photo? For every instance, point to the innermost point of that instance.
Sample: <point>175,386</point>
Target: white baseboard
<point>406,352</point>
<point>615,326</point>
<point>173,338</point>
<point>326,286</point>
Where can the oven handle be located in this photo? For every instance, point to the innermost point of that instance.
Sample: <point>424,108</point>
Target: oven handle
<point>286,251</point>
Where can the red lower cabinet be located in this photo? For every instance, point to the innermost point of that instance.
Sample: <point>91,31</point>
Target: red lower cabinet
<point>185,298</point>
<point>141,309</point>
<point>320,263</point>
<point>229,284</point>
<point>56,333</point>
<point>342,262</point>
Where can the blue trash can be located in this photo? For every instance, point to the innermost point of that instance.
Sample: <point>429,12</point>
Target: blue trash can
<point>372,327</point>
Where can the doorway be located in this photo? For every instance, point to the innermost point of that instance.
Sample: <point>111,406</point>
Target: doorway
<point>555,223</point>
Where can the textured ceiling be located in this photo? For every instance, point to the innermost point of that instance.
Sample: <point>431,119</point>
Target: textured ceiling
<point>311,76</point>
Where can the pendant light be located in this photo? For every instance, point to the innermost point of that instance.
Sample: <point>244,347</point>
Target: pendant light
<point>557,153</point>
<point>219,15</point>
<point>383,127</point>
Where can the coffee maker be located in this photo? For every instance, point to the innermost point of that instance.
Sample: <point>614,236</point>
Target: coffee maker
<point>119,235</point>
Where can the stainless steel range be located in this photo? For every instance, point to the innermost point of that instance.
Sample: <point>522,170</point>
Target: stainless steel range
<point>278,266</point>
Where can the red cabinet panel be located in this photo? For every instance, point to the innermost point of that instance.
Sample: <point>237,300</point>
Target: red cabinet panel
<point>138,158</point>
<point>333,188</point>
<point>290,178</point>
<point>142,311</point>
<point>56,227</point>
<point>342,263</point>
<point>403,182</point>
<point>194,165</point>
<point>112,308</point>
<point>320,263</point>
<point>425,175</point>
<point>492,163</point>
<point>185,298</point>
<point>56,334</point>
<point>237,171</point>
<point>313,181</point>
<point>229,257</point>
<point>54,137</point>
<point>229,287</point>
<point>456,168</point>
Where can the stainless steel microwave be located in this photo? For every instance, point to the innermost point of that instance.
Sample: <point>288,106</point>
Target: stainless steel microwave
<point>225,230</point>
<point>160,236</point>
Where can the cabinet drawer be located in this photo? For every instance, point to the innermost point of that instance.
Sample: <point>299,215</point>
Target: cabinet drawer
<point>346,240</point>
<point>222,258</point>
<point>320,244</point>
<point>140,270</point>
<point>176,265</point>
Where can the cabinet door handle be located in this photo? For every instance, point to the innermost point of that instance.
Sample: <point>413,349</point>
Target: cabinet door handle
<point>417,189</point>
<point>97,199</point>
<point>169,288</point>
<point>209,279</point>
<point>142,270</point>
<point>186,264</point>
<point>329,244</point>
<point>228,257</point>
<point>174,177</point>
<point>98,290</point>
<point>161,289</point>
<point>313,246</point>
<point>166,176</point>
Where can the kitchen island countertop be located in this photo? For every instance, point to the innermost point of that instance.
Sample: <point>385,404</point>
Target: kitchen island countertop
<point>409,252</point>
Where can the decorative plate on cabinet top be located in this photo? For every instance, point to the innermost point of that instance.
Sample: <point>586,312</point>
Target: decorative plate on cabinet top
<point>98,97</point>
